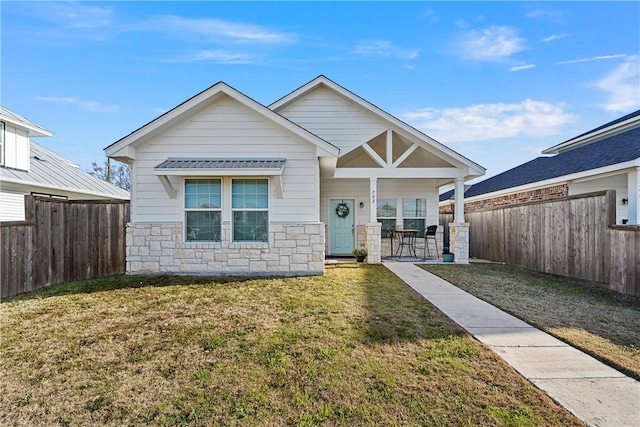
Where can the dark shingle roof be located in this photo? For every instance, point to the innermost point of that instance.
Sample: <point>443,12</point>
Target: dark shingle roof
<point>608,151</point>
<point>611,123</point>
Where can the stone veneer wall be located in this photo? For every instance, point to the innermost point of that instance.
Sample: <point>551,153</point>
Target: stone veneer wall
<point>373,231</point>
<point>546,193</point>
<point>292,249</point>
<point>459,242</point>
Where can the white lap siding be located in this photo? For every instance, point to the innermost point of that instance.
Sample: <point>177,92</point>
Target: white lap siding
<point>334,118</point>
<point>226,129</point>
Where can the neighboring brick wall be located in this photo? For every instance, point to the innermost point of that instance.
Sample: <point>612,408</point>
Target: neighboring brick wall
<point>546,193</point>
<point>292,249</point>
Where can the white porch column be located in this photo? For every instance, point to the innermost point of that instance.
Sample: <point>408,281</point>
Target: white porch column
<point>458,229</point>
<point>458,214</point>
<point>633,196</point>
<point>373,233</point>
<point>373,199</point>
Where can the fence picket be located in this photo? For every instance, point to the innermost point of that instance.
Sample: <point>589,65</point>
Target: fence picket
<point>62,240</point>
<point>572,236</point>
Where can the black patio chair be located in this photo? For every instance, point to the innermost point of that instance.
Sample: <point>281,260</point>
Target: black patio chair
<point>430,234</point>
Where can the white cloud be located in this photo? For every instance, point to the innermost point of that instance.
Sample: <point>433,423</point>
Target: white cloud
<point>548,14</point>
<point>595,58</point>
<point>490,121</point>
<point>75,15</point>
<point>622,86</point>
<point>491,44</point>
<point>215,29</point>
<point>553,37</point>
<point>218,56</point>
<point>92,106</point>
<point>384,49</point>
<point>521,67</point>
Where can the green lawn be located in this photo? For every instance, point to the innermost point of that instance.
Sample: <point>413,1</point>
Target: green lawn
<point>354,347</point>
<point>602,323</point>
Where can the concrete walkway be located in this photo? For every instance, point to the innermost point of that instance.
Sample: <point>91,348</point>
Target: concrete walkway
<point>594,392</point>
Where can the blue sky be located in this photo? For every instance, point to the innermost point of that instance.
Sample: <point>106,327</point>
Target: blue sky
<point>496,81</point>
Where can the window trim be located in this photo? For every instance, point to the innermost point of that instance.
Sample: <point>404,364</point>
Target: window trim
<point>424,218</point>
<point>233,210</point>
<point>185,209</point>
<point>394,218</point>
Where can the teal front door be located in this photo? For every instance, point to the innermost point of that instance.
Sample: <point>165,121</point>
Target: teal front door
<point>341,227</point>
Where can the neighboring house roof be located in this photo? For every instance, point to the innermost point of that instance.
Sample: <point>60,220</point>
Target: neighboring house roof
<point>475,169</point>
<point>7,115</point>
<point>52,171</point>
<point>612,150</point>
<point>119,148</point>
<point>617,125</point>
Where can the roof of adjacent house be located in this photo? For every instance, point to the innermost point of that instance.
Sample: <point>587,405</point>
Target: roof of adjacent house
<point>614,149</point>
<point>611,123</point>
<point>17,119</point>
<point>52,171</point>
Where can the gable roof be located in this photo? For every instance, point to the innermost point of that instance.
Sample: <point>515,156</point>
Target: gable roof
<point>139,135</point>
<point>52,171</point>
<point>16,119</point>
<point>616,149</point>
<point>475,169</point>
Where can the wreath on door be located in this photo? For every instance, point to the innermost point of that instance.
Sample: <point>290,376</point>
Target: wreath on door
<point>342,210</point>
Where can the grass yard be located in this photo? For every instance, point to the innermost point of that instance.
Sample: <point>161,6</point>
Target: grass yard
<point>602,323</point>
<point>355,347</point>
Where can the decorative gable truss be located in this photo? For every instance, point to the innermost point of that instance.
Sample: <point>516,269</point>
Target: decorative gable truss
<point>392,155</point>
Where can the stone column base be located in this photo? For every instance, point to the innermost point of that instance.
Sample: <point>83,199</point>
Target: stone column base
<point>459,241</point>
<point>374,242</point>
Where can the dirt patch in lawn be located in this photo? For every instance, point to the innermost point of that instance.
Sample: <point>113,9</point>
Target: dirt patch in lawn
<point>355,347</point>
<point>602,323</point>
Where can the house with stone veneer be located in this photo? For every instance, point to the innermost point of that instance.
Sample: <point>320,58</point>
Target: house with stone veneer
<point>222,184</point>
<point>604,158</point>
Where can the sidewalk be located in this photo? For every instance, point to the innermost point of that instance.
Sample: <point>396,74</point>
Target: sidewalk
<point>594,392</point>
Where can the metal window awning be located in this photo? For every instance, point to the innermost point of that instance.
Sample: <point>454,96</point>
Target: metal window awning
<point>219,167</point>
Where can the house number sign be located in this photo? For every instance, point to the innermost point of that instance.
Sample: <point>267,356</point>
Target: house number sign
<point>373,197</point>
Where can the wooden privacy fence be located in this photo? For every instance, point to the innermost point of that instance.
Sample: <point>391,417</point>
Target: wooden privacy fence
<point>60,241</point>
<point>571,236</point>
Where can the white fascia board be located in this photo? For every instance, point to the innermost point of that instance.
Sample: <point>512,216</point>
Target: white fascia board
<point>33,130</point>
<point>617,128</point>
<point>580,176</point>
<point>479,170</point>
<point>397,173</point>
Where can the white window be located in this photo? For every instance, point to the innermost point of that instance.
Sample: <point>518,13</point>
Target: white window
<point>250,210</point>
<point>414,214</point>
<point>203,206</point>
<point>387,214</point>
<point>2,143</point>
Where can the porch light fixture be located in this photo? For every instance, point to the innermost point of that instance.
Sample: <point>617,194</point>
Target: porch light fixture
<point>361,205</point>
<point>625,201</point>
